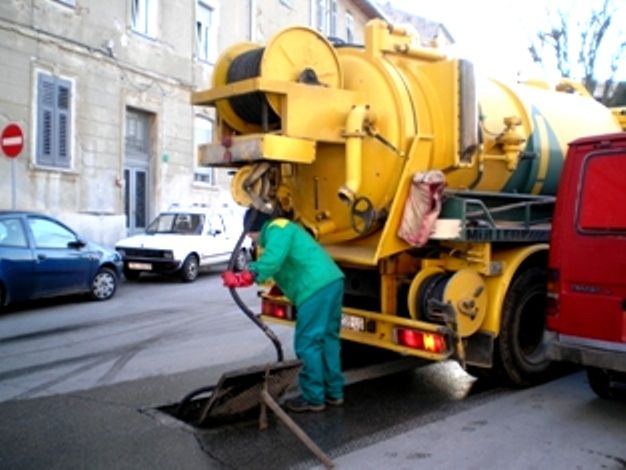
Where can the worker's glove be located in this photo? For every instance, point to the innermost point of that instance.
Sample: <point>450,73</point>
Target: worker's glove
<point>241,279</point>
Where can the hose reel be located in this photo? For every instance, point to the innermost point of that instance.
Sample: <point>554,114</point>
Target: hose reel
<point>297,54</point>
<point>253,107</point>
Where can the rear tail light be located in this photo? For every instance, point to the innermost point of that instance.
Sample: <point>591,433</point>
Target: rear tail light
<point>281,310</point>
<point>552,298</point>
<point>425,341</point>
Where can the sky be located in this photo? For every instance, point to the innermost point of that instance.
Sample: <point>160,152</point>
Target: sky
<point>495,34</point>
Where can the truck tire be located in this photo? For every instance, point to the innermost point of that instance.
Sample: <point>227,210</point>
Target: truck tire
<point>520,357</point>
<point>189,270</point>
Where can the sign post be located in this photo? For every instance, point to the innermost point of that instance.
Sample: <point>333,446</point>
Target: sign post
<point>12,143</point>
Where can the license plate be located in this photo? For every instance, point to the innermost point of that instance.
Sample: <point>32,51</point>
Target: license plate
<point>141,266</point>
<point>352,322</point>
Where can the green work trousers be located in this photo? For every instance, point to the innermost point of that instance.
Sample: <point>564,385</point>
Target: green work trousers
<point>318,346</point>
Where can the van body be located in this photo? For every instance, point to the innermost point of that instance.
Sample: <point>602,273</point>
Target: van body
<point>586,321</point>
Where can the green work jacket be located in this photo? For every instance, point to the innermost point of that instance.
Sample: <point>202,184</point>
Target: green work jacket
<point>296,262</point>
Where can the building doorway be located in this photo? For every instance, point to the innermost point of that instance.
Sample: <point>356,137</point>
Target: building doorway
<point>137,170</point>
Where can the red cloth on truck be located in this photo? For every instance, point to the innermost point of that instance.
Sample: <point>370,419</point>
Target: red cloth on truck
<point>422,207</point>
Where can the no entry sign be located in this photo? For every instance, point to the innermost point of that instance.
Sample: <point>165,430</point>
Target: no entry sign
<point>12,140</point>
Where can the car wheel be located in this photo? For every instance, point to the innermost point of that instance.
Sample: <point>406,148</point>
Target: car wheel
<point>131,274</point>
<point>241,260</point>
<point>189,271</point>
<point>104,284</point>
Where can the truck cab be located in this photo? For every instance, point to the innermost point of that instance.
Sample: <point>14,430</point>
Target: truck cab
<point>586,320</point>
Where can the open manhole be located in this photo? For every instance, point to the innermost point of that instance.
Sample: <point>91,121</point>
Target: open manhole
<point>237,395</point>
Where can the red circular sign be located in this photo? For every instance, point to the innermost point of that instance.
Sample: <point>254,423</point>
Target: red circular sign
<point>12,140</point>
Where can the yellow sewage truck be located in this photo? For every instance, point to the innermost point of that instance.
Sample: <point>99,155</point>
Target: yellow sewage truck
<point>357,144</point>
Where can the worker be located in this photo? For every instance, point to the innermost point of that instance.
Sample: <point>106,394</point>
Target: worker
<point>309,277</point>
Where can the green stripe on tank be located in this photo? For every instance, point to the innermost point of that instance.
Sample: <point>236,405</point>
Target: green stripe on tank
<point>555,163</point>
<point>524,178</point>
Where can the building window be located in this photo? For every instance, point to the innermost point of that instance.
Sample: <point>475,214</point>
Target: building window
<point>54,121</point>
<point>203,134</point>
<point>326,17</point>
<point>349,28</point>
<point>321,15</point>
<point>143,17</point>
<point>332,18</point>
<point>206,32</point>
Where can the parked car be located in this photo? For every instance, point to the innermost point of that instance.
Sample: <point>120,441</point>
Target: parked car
<point>184,241</point>
<point>42,257</point>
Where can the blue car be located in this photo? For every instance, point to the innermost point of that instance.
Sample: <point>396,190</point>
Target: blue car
<point>42,257</point>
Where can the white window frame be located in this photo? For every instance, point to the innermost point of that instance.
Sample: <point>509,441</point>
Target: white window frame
<point>144,16</point>
<point>327,17</point>
<point>203,128</point>
<point>349,28</point>
<point>321,15</point>
<point>53,160</point>
<point>206,35</point>
<point>333,14</point>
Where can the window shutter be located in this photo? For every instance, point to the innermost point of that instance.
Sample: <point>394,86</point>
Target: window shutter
<point>45,119</point>
<point>54,106</point>
<point>64,91</point>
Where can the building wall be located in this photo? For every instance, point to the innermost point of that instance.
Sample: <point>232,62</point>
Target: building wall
<point>111,69</point>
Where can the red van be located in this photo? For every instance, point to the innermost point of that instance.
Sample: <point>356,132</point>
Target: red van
<point>586,321</point>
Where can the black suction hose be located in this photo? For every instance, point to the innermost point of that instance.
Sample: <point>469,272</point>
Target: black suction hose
<point>233,292</point>
<point>244,308</point>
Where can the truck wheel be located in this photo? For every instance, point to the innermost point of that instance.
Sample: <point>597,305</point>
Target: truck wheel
<point>520,357</point>
<point>600,383</point>
<point>189,271</point>
<point>131,274</point>
<point>104,284</point>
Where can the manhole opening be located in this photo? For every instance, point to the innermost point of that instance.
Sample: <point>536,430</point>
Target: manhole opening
<point>237,395</point>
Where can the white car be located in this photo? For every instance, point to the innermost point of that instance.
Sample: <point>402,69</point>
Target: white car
<point>183,241</point>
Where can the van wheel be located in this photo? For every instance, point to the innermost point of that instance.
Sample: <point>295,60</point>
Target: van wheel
<point>520,356</point>
<point>600,383</point>
<point>189,271</point>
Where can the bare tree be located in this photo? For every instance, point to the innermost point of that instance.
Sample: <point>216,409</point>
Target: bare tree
<point>574,44</point>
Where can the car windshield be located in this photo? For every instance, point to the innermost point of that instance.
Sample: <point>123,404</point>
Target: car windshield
<point>180,223</point>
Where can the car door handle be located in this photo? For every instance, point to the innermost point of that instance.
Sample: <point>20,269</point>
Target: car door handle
<point>41,257</point>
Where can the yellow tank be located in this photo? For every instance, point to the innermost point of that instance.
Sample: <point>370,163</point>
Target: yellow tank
<point>335,134</point>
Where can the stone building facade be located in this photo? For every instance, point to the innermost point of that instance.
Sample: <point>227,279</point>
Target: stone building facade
<point>102,92</point>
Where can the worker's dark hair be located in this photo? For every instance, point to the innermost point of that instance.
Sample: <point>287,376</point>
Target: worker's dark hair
<point>253,220</point>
